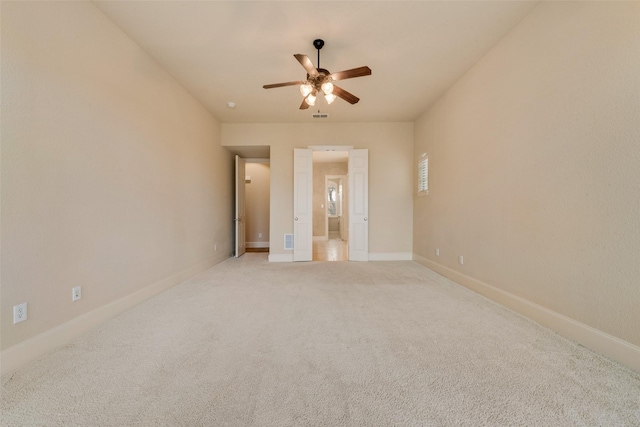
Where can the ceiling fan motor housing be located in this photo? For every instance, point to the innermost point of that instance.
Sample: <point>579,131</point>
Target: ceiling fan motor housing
<point>322,77</point>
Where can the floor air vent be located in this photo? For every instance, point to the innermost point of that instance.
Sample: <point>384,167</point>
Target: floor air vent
<point>288,242</point>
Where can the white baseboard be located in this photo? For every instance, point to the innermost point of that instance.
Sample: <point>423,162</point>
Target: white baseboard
<point>33,348</point>
<point>612,347</point>
<point>256,244</point>
<point>280,257</point>
<point>390,256</point>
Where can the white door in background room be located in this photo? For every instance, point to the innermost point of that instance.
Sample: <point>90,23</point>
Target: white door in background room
<point>359,205</point>
<point>344,221</point>
<point>337,207</point>
<point>240,207</point>
<point>302,205</point>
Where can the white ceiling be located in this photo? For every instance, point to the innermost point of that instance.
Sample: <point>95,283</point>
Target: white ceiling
<point>223,51</point>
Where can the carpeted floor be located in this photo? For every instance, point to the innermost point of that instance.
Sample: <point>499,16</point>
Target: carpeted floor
<point>249,343</point>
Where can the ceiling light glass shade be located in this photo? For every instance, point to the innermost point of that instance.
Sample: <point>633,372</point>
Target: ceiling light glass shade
<point>306,89</point>
<point>330,98</point>
<point>311,100</point>
<point>327,88</point>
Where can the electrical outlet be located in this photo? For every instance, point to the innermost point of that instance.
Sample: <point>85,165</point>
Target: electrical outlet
<point>460,260</point>
<point>215,248</point>
<point>259,235</point>
<point>437,251</point>
<point>76,293</point>
<point>19,313</point>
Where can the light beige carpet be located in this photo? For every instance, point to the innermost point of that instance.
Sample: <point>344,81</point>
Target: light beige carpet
<point>248,343</point>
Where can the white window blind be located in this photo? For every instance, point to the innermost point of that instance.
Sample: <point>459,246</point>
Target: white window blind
<point>423,174</point>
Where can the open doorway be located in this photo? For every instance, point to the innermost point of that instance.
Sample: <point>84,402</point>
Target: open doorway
<point>257,205</point>
<point>330,207</point>
<point>252,199</point>
<point>304,204</point>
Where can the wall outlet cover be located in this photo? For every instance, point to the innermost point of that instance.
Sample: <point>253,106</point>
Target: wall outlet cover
<point>19,313</point>
<point>76,293</point>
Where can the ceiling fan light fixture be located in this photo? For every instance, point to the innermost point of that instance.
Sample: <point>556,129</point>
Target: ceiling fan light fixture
<point>327,88</point>
<point>311,99</point>
<point>306,89</point>
<point>330,98</point>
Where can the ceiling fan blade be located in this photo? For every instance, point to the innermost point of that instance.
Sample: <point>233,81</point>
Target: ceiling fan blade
<point>283,84</point>
<point>307,64</point>
<point>349,97</point>
<point>304,104</point>
<point>349,74</point>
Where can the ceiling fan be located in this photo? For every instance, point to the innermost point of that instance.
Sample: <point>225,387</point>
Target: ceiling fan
<point>320,80</point>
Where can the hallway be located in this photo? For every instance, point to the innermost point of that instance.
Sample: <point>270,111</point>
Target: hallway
<point>333,249</point>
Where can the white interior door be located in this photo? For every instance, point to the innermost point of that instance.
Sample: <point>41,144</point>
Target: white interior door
<point>302,205</point>
<point>240,207</point>
<point>359,205</point>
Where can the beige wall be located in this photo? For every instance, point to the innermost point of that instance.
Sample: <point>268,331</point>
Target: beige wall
<point>113,177</point>
<point>534,162</point>
<point>257,205</point>
<point>320,171</point>
<point>390,179</point>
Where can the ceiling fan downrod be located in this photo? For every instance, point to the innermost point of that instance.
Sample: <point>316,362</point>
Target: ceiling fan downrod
<point>318,43</point>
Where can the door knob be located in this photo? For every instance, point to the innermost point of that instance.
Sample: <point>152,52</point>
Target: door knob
<point>296,218</point>
<point>365,218</point>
